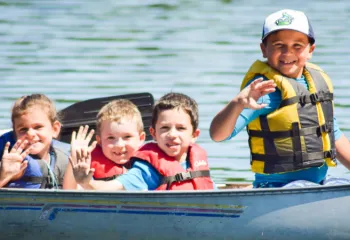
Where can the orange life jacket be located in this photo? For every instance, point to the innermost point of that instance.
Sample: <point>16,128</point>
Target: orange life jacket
<point>175,177</point>
<point>105,169</point>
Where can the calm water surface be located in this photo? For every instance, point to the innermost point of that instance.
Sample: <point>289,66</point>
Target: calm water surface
<point>74,50</point>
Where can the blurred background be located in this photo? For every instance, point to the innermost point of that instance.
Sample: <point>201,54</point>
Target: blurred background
<point>73,50</point>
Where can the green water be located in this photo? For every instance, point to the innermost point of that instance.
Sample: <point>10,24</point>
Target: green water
<point>73,50</point>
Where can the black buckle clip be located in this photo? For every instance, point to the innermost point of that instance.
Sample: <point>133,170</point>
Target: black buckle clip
<point>314,98</point>
<point>183,176</point>
<point>302,100</point>
<point>326,128</point>
<point>329,154</point>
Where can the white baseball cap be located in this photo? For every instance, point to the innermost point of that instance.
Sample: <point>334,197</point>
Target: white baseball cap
<point>288,19</point>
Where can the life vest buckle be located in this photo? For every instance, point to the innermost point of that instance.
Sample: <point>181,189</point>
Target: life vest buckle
<point>325,128</point>
<point>183,176</point>
<point>329,154</point>
<point>302,100</point>
<point>315,98</point>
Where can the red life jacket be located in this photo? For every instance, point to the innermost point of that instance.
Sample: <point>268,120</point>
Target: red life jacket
<point>196,177</point>
<point>105,169</point>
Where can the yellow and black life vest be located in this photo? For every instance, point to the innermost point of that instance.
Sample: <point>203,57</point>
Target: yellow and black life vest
<point>299,134</point>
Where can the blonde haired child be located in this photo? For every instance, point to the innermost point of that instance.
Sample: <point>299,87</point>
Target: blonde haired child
<point>35,126</point>
<point>119,133</point>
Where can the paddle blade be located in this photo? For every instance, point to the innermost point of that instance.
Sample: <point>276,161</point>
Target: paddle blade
<point>85,112</point>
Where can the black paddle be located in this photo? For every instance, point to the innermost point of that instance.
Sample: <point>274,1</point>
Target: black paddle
<point>84,113</point>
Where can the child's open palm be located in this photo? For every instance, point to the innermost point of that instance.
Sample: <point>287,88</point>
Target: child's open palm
<point>12,162</point>
<point>258,88</point>
<point>80,156</point>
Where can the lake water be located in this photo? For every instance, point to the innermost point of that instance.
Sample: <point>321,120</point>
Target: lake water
<point>74,50</point>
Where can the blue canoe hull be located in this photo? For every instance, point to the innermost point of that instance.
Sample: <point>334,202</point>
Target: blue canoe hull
<point>307,213</point>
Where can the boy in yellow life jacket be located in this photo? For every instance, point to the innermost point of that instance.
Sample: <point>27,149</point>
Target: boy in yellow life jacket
<point>286,104</point>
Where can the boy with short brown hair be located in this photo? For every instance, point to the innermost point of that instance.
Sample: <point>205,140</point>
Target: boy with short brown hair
<point>293,134</point>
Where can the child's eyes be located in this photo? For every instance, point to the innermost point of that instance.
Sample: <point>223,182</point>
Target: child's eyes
<point>278,45</point>
<point>23,130</point>
<point>110,138</point>
<point>181,128</point>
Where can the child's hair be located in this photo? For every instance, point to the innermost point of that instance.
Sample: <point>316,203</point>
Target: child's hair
<point>117,111</point>
<point>176,101</point>
<point>26,102</point>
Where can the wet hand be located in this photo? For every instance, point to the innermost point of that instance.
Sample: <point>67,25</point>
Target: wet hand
<point>249,95</point>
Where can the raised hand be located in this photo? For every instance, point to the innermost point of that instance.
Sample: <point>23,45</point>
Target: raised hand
<point>250,94</point>
<point>12,162</point>
<point>80,157</point>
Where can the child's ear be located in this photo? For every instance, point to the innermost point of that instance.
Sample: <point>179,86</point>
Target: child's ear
<point>98,139</point>
<point>152,131</point>
<point>311,50</point>
<point>195,135</point>
<point>263,49</point>
<point>56,128</point>
<point>142,137</point>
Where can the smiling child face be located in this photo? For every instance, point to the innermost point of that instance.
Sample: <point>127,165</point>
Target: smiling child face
<point>287,52</point>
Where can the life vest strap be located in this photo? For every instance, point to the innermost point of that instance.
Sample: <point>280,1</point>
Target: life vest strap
<point>291,158</point>
<point>107,178</point>
<point>184,176</point>
<point>45,182</point>
<point>325,128</point>
<point>304,99</point>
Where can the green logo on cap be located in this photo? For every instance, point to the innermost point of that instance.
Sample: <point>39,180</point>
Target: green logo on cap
<point>286,19</point>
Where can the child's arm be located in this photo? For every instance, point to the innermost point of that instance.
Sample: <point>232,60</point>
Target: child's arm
<point>342,146</point>
<point>224,122</point>
<point>12,163</point>
<point>69,180</point>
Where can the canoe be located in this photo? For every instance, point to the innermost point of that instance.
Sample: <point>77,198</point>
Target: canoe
<point>304,213</point>
<point>232,212</point>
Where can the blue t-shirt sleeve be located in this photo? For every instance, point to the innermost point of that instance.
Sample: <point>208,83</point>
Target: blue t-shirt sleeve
<point>142,176</point>
<point>6,137</point>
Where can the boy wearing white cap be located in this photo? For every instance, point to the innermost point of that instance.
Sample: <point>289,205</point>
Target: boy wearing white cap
<point>286,104</point>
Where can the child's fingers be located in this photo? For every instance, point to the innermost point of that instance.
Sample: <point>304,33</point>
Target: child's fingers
<point>23,165</point>
<point>26,152</point>
<point>15,147</point>
<point>80,132</point>
<point>85,131</point>
<point>90,172</point>
<point>7,146</point>
<point>73,137</point>
<point>84,152</point>
<point>71,161</point>
<point>22,146</point>
<point>92,146</point>
<point>91,134</point>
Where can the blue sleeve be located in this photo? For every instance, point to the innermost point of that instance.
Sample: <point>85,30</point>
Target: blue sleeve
<point>6,137</point>
<point>142,176</point>
<point>272,100</point>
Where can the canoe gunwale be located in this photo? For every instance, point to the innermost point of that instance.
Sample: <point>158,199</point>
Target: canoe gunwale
<point>166,194</point>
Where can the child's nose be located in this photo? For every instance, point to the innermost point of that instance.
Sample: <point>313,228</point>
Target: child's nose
<point>30,133</point>
<point>172,133</point>
<point>119,142</point>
